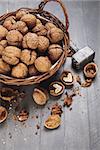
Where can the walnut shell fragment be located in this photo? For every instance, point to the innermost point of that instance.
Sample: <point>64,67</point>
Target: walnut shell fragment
<point>52,122</point>
<point>8,94</point>
<point>40,96</point>
<point>56,88</point>
<point>23,115</point>
<point>3,114</point>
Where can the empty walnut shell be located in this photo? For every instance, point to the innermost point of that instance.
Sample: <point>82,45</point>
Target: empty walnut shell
<point>20,13</point>
<point>30,40</point>
<point>56,88</point>
<point>55,35</point>
<point>28,57</point>
<point>14,38</point>
<point>43,43</point>
<point>55,52</point>
<point>11,55</point>
<point>3,43</point>
<point>20,26</point>
<point>90,70</point>
<point>3,32</point>
<point>67,78</point>
<point>49,25</point>
<point>8,23</point>
<point>4,67</point>
<point>40,96</point>
<point>32,70</point>
<point>1,50</point>
<point>43,64</point>
<point>52,122</point>
<point>8,94</point>
<point>40,29</point>
<point>29,19</point>
<point>3,114</point>
<point>19,71</point>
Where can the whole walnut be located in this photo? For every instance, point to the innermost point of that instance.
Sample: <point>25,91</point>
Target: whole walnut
<point>30,40</point>
<point>11,55</point>
<point>4,67</point>
<point>40,29</point>
<point>3,43</point>
<point>43,43</point>
<point>43,64</point>
<point>3,32</point>
<point>14,37</point>
<point>32,70</point>
<point>19,71</point>
<point>38,21</point>
<point>29,19</point>
<point>20,13</point>
<point>49,25</point>
<point>55,52</point>
<point>1,50</point>
<point>28,57</point>
<point>9,22</point>
<point>20,26</point>
<point>55,35</point>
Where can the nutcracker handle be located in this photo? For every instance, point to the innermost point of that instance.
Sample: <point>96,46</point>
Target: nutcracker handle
<point>44,2</point>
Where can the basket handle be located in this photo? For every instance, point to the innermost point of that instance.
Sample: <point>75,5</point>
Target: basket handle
<point>44,2</point>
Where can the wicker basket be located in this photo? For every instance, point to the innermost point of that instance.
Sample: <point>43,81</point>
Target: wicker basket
<point>45,17</point>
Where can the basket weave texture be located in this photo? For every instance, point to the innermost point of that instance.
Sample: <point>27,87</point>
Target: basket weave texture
<point>45,16</point>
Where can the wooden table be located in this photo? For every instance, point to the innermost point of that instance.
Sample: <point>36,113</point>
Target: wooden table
<point>80,128</point>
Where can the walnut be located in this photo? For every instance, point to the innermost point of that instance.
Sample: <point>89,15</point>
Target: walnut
<point>11,55</point>
<point>30,40</point>
<point>55,35</point>
<point>14,37</point>
<point>52,122</point>
<point>9,22</point>
<point>28,57</point>
<point>1,50</point>
<point>20,13</point>
<point>20,26</point>
<point>33,71</point>
<point>49,25</point>
<point>29,19</point>
<point>43,64</point>
<point>3,32</point>
<point>40,29</point>
<point>38,21</point>
<point>3,43</point>
<point>4,67</point>
<point>55,52</point>
<point>40,96</point>
<point>19,71</point>
<point>3,114</point>
<point>43,43</point>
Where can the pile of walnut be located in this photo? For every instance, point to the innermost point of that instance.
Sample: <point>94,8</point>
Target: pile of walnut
<point>27,46</point>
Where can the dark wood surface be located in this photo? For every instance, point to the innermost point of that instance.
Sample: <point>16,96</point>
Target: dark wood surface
<point>80,128</point>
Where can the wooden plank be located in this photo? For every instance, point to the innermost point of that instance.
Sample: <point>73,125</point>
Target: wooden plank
<point>92,22</point>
